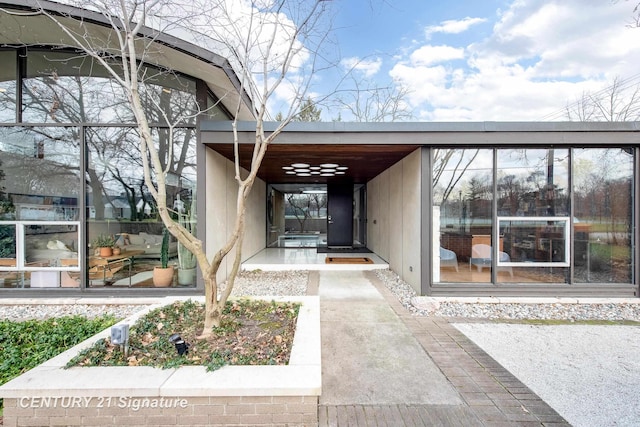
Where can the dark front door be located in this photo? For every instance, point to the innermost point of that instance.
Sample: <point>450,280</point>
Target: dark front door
<point>340,214</point>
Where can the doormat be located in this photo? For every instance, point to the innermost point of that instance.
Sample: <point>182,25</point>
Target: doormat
<point>347,260</point>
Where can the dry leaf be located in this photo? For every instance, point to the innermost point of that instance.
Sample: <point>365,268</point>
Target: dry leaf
<point>159,326</point>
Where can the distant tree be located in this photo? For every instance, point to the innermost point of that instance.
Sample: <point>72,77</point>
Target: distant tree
<point>309,112</point>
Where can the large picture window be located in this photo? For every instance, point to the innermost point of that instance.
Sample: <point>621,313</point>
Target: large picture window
<point>562,215</point>
<point>39,206</point>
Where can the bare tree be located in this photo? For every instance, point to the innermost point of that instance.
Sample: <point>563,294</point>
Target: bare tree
<point>366,102</point>
<point>270,44</point>
<point>619,102</point>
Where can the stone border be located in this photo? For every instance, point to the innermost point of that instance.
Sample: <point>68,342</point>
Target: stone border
<point>189,395</point>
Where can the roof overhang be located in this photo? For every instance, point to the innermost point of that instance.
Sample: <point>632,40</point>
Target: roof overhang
<point>368,149</point>
<point>28,29</point>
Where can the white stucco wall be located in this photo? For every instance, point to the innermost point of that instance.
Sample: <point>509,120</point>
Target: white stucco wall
<point>394,218</point>
<point>221,192</point>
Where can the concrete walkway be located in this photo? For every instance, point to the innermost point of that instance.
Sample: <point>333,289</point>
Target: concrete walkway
<point>381,366</point>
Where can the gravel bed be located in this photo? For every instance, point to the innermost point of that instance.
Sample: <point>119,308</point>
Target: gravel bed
<point>19,313</point>
<point>275,283</point>
<point>264,283</point>
<point>511,311</point>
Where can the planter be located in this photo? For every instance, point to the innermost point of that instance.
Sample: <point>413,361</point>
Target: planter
<point>244,395</point>
<point>186,276</point>
<point>162,277</point>
<point>106,252</point>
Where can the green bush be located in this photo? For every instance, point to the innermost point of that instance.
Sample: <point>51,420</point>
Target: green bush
<point>25,345</point>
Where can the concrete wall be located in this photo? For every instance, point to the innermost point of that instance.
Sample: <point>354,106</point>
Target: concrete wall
<point>221,192</point>
<point>394,217</point>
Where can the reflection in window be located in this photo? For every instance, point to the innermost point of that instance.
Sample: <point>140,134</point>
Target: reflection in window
<point>533,182</point>
<point>60,87</point>
<point>44,166</point>
<point>7,245</point>
<point>42,197</point>
<point>603,203</point>
<point>297,219</point>
<point>7,86</point>
<point>120,205</point>
<point>462,211</point>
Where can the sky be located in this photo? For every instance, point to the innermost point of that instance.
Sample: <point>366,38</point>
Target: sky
<point>489,60</point>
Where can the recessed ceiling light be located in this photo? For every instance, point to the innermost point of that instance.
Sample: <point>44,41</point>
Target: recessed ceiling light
<point>329,165</point>
<point>327,170</point>
<point>342,168</point>
<point>290,173</point>
<point>303,174</point>
<point>315,173</point>
<point>299,165</point>
<point>327,174</point>
<point>287,168</point>
<point>340,173</point>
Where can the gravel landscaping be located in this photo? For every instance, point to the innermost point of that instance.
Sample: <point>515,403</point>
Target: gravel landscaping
<point>265,283</point>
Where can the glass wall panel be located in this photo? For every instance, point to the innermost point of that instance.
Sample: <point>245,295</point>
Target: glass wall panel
<point>533,183</point>
<point>121,208</point>
<point>295,218</point>
<point>61,87</point>
<point>39,200</point>
<point>462,213</point>
<point>603,200</point>
<point>8,73</point>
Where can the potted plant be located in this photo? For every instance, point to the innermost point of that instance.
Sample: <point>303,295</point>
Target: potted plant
<point>186,259</point>
<point>163,275</point>
<point>104,243</point>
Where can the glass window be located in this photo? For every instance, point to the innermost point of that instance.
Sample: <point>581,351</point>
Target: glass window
<point>462,213</point>
<point>39,203</point>
<point>533,183</point>
<point>121,208</point>
<point>214,112</point>
<point>8,75</point>
<point>297,219</point>
<point>602,225</point>
<point>61,87</point>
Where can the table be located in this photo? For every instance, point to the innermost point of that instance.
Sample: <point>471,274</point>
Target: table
<point>105,261</point>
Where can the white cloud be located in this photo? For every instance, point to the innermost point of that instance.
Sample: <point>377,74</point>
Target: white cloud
<point>369,67</point>
<point>540,56</point>
<point>427,55</point>
<point>453,26</point>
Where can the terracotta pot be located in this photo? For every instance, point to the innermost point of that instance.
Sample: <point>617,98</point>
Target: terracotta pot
<point>162,277</point>
<point>106,252</point>
<point>117,251</point>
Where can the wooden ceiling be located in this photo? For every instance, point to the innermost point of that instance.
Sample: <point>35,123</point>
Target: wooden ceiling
<point>364,161</point>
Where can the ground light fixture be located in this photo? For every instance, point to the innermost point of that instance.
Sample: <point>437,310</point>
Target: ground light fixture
<point>120,337</point>
<point>182,347</point>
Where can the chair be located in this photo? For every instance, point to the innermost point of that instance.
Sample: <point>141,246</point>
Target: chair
<point>448,258</point>
<point>481,257</point>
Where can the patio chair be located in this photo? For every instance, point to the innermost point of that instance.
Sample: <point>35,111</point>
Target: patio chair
<point>481,257</point>
<point>448,258</point>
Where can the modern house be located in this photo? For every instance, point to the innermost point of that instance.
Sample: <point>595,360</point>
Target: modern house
<point>453,208</point>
